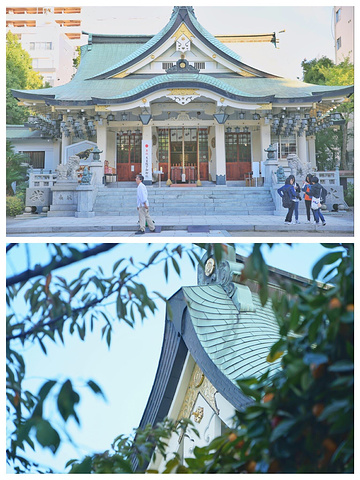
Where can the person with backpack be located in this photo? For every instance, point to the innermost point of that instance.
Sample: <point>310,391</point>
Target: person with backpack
<point>318,196</point>
<point>288,194</point>
<point>306,189</point>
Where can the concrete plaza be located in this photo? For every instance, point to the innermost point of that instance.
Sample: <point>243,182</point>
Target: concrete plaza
<point>337,224</point>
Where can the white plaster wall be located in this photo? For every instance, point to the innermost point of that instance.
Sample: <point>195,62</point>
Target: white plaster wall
<point>50,148</point>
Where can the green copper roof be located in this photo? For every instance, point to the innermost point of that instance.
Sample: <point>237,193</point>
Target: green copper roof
<point>140,50</point>
<point>239,88</point>
<point>237,342</point>
<point>104,57</point>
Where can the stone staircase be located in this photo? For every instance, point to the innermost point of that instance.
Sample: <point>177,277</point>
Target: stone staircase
<point>209,200</point>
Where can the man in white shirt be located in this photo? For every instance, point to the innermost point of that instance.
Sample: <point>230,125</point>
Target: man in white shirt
<point>143,206</point>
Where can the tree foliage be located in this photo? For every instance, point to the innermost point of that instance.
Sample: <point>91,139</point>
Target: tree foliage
<point>331,144</point>
<point>19,75</point>
<point>56,309</point>
<point>15,169</point>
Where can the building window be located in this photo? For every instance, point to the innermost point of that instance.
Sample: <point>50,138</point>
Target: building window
<point>167,65</point>
<point>40,46</point>
<point>36,159</point>
<point>338,43</point>
<point>199,65</point>
<point>287,145</point>
<point>338,15</point>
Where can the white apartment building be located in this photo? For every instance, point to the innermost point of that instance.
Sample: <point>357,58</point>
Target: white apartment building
<point>50,35</point>
<point>344,33</point>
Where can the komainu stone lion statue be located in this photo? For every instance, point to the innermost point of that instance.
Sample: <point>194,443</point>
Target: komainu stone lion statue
<point>69,170</point>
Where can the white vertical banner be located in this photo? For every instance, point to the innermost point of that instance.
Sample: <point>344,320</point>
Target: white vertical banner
<point>262,168</point>
<point>256,170</point>
<point>146,169</point>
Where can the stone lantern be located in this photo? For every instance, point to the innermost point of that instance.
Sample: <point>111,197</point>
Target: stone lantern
<point>96,154</point>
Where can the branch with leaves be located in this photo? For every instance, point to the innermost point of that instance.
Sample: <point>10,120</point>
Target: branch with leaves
<point>55,308</point>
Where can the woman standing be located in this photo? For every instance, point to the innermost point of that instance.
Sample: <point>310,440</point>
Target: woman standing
<point>288,194</point>
<point>306,190</point>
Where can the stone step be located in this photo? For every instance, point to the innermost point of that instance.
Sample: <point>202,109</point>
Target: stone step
<point>185,201</point>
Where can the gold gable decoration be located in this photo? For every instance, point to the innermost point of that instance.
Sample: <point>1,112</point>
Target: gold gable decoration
<point>182,30</point>
<point>244,73</point>
<point>121,74</point>
<point>198,384</point>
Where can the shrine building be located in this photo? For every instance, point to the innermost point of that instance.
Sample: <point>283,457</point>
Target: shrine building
<point>181,103</point>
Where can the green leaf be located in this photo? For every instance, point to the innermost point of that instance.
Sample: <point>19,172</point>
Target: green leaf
<point>176,266</point>
<point>45,389</point>
<point>247,390</point>
<point>66,401</point>
<point>46,435</point>
<point>327,259</point>
<point>282,429</point>
<point>95,388</point>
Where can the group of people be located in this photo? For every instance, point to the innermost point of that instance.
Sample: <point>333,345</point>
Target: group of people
<point>314,195</point>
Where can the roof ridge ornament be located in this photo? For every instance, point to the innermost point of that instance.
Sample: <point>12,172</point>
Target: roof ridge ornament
<point>227,273</point>
<point>183,11</point>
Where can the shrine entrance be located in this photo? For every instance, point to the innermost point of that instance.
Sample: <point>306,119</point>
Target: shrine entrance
<point>128,155</point>
<point>183,154</point>
<point>238,155</point>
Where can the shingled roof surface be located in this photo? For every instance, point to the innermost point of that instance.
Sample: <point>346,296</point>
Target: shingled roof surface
<point>101,59</point>
<point>236,342</point>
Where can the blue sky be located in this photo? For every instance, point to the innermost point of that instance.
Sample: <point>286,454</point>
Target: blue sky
<point>126,371</point>
<point>308,29</point>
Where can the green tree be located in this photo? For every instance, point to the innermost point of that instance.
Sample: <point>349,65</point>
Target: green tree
<point>19,75</point>
<point>314,70</point>
<point>54,310</point>
<point>324,72</point>
<point>15,169</point>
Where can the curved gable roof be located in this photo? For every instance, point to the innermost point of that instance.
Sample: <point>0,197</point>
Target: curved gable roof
<point>180,15</point>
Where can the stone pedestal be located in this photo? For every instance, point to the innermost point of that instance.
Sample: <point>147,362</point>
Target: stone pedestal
<point>38,197</point>
<point>271,165</point>
<point>64,203</point>
<point>85,195</point>
<point>97,170</point>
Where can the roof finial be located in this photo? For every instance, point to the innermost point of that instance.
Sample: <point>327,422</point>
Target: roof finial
<point>176,10</point>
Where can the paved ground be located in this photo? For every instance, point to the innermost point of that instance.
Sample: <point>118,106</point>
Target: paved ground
<point>339,224</point>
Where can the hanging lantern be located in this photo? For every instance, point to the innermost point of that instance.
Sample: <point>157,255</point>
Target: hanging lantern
<point>237,129</point>
<point>110,117</point>
<point>124,117</point>
<point>241,115</point>
<point>228,129</point>
<point>256,116</point>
